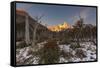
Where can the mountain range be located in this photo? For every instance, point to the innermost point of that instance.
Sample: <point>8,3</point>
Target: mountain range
<point>59,27</point>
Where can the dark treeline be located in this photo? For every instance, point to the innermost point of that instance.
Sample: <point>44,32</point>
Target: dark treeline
<point>79,33</point>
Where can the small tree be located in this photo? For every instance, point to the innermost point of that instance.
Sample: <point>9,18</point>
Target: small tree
<point>35,30</point>
<point>78,30</point>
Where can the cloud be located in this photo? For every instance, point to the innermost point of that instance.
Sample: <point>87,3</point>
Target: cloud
<point>85,13</point>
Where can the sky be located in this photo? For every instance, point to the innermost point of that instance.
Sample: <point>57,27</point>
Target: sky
<point>57,14</point>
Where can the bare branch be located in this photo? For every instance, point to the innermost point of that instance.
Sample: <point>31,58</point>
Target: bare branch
<point>39,17</point>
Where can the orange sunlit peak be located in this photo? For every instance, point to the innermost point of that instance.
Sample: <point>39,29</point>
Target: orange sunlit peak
<point>59,27</point>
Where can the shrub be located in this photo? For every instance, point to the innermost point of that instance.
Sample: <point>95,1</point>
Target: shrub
<point>80,53</point>
<point>50,53</point>
<point>64,41</point>
<point>67,55</point>
<point>74,46</point>
<point>22,45</point>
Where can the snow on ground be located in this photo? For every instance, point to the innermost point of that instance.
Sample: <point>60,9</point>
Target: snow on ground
<point>62,60</point>
<point>35,60</point>
<point>22,54</point>
<point>87,47</point>
<point>66,48</point>
<point>40,45</point>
